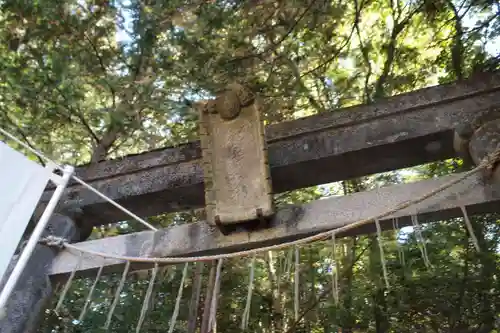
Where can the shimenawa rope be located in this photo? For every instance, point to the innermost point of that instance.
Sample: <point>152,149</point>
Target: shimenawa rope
<point>485,164</point>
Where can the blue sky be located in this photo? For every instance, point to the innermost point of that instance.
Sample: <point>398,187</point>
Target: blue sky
<point>122,36</point>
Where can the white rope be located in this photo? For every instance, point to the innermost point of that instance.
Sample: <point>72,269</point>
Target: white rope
<point>381,249</point>
<point>486,163</point>
<point>117,295</point>
<point>89,296</point>
<point>335,274</point>
<point>53,241</point>
<point>68,284</point>
<point>468,224</point>
<point>178,299</point>
<point>147,300</point>
<point>246,312</point>
<point>78,180</point>
<point>117,205</point>
<point>320,236</point>
<point>215,295</point>
<point>279,274</point>
<point>296,284</point>
<point>288,262</point>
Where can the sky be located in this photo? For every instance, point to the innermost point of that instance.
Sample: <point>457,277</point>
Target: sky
<point>122,36</point>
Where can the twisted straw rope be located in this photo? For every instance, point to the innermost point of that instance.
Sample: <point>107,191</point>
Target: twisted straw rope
<point>487,163</point>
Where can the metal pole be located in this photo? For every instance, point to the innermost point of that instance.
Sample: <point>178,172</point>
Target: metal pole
<point>34,238</point>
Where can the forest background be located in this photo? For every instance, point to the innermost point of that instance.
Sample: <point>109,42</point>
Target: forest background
<point>88,80</point>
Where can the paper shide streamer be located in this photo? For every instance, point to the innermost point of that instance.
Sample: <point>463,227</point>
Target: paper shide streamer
<point>121,284</point>
<point>147,299</point>
<point>381,250</point>
<point>246,312</point>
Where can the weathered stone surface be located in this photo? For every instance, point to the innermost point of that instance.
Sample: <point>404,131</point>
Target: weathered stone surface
<point>292,223</point>
<point>465,130</point>
<point>34,288</point>
<point>485,141</point>
<point>236,173</point>
<point>397,132</point>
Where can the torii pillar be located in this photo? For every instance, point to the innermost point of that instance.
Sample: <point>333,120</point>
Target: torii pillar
<point>34,289</point>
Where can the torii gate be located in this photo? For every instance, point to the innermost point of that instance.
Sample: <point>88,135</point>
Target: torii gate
<point>459,119</point>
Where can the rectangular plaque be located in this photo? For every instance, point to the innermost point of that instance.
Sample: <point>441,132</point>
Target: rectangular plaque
<point>235,165</point>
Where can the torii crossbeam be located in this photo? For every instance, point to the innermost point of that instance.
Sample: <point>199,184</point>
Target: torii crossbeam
<point>433,122</point>
<point>406,130</point>
<point>394,133</point>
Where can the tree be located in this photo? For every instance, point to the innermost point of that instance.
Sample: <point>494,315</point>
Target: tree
<point>88,80</point>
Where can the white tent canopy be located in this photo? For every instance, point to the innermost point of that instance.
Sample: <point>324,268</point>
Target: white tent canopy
<point>22,183</point>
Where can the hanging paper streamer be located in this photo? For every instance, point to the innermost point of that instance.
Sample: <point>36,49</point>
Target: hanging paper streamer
<point>279,274</point>
<point>178,300</point>
<point>68,284</point>
<point>468,224</point>
<point>147,299</point>
<point>381,249</point>
<point>246,312</point>
<point>288,262</point>
<point>213,309</point>
<point>335,275</point>
<point>117,295</point>
<point>296,284</point>
<point>89,296</point>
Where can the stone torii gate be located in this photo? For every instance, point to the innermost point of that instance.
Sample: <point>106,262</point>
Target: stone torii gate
<point>432,124</point>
